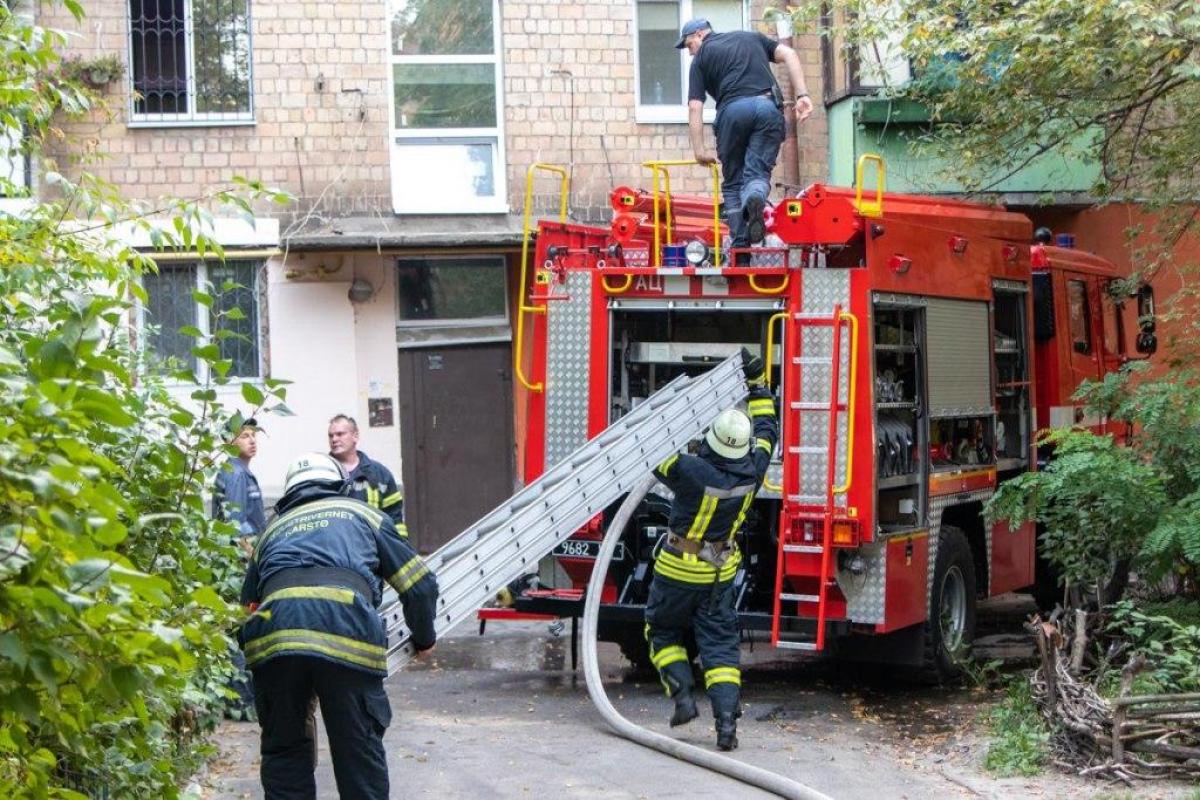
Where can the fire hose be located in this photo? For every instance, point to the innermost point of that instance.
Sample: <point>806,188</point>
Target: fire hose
<point>746,773</point>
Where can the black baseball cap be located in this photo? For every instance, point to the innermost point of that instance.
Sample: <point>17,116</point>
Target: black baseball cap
<point>690,27</point>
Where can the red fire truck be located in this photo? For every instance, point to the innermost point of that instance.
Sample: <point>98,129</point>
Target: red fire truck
<point>915,344</point>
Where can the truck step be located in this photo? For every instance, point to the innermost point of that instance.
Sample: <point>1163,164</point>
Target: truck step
<point>803,548</point>
<point>787,645</point>
<point>800,598</point>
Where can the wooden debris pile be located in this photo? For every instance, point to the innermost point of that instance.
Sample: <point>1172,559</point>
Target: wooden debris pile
<point>1126,738</point>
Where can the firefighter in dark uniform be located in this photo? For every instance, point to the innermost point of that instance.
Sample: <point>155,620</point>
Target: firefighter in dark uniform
<point>696,562</point>
<point>370,481</point>
<point>314,583</point>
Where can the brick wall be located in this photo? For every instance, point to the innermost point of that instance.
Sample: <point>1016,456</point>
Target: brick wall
<point>321,94</point>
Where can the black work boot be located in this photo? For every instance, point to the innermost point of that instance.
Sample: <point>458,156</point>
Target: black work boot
<point>727,731</point>
<point>685,709</point>
<point>752,214</point>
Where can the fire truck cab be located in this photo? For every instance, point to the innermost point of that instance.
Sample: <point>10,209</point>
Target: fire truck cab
<point>914,344</point>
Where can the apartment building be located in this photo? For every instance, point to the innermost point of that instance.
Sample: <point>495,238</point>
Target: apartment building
<point>405,131</point>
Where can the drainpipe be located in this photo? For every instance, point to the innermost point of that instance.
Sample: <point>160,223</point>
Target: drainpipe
<point>789,152</point>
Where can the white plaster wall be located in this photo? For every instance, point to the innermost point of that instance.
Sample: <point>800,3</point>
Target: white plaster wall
<point>331,350</point>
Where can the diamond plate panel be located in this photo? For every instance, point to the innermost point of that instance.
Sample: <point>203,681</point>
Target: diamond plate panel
<point>568,338</point>
<point>866,593</point>
<point>823,289</point>
<point>936,506</point>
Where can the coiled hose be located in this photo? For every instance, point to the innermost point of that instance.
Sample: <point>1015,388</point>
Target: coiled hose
<point>755,776</point>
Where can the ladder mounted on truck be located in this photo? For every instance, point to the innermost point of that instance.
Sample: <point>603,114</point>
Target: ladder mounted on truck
<point>804,565</point>
<point>509,541</point>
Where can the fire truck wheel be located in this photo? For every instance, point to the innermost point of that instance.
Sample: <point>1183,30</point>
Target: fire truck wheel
<point>951,624</point>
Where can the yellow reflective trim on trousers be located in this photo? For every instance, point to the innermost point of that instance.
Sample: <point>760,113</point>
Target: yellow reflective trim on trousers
<point>665,466</point>
<point>364,661</point>
<point>704,515</point>
<point>304,634</point>
<point>668,655</point>
<point>764,444</point>
<point>336,594</point>
<point>672,566</point>
<point>401,530</point>
<point>722,675</point>
<point>761,408</point>
<point>391,499</point>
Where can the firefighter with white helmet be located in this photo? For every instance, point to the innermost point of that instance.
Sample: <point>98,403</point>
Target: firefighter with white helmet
<point>314,583</point>
<point>697,560</point>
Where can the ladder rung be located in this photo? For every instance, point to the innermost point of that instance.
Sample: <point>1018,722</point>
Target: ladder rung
<point>812,360</point>
<point>807,499</point>
<point>802,317</point>
<point>810,646</point>
<point>803,548</point>
<point>801,598</point>
<point>797,405</point>
<point>808,449</point>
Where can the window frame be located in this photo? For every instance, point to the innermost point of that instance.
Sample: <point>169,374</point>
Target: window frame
<point>498,203</point>
<point>458,323</point>
<point>1084,316</point>
<point>651,114</point>
<point>190,118</point>
<point>203,318</point>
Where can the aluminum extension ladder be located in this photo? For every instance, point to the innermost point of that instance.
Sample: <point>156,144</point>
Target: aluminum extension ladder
<point>509,541</point>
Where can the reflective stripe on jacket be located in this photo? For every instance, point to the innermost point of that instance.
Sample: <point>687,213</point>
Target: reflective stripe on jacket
<point>374,484</point>
<point>318,528</point>
<point>713,495</point>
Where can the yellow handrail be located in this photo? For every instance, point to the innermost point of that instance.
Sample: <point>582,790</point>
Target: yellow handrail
<point>850,401</point>
<point>661,166</point>
<point>771,290</point>
<point>523,307</point>
<point>623,288</point>
<point>874,209</point>
<point>783,315</point>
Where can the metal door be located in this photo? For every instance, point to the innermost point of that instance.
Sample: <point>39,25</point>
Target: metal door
<point>456,434</point>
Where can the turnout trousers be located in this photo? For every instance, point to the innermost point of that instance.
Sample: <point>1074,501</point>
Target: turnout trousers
<point>356,711</point>
<point>675,607</point>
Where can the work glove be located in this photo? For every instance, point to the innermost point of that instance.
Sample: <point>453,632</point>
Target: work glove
<point>752,368</point>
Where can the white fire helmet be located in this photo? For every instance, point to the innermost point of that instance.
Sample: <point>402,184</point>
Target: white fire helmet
<point>313,468</point>
<point>729,434</point>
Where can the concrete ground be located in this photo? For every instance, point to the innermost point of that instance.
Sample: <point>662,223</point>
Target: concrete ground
<point>503,716</point>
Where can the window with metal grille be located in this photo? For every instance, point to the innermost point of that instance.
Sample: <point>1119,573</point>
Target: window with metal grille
<point>190,62</point>
<point>171,315</point>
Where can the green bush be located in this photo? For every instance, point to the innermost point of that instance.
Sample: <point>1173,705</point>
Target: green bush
<point>1018,733</point>
<point>113,581</point>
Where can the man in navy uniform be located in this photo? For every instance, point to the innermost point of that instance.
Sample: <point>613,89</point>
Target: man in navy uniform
<point>314,584</point>
<point>694,569</point>
<point>236,496</point>
<point>370,481</point>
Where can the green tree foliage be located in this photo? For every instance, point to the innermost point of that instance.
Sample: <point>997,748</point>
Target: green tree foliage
<point>1100,502</point>
<point>1007,81</point>
<point>113,580</point>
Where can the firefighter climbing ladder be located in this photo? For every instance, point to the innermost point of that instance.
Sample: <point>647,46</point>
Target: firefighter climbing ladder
<point>510,540</point>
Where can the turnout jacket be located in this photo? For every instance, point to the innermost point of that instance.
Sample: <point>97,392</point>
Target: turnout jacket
<point>316,577</point>
<point>713,494</point>
<point>373,483</point>
<point>237,498</point>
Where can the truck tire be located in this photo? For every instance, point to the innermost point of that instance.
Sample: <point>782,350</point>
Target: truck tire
<point>950,627</point>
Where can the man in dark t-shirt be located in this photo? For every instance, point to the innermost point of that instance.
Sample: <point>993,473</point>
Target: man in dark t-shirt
<point>734,68</point>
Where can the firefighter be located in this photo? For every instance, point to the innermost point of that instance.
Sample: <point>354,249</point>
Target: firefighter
<point>734,68</point>
<point>696,561</point>
<point>370,481</point>
<point>314,584</point>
